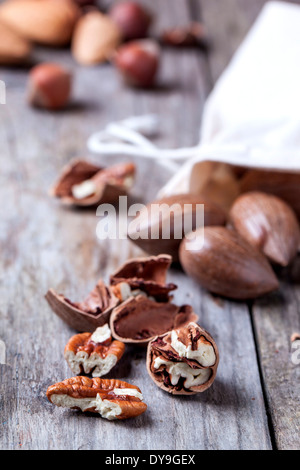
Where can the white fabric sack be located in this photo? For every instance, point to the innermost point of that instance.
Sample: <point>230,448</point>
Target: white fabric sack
<point>251,118</point>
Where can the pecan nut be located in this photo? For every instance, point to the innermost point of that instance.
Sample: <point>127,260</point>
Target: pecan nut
<point>95,353</point>
<point>183,361</point>
<point>87,315</point>
<point>139,319</point>
<point>85,184</point>
<point>112,399</point>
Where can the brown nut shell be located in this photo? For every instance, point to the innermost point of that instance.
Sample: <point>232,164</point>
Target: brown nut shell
<point>146,274</point>
<point>197,358</point>
<point>94,311</point>
<point>267,223</point>
<point>78,388</point>
<point>284,185</point>
<point>139,319</point>
<point>84,355</point>
<point>226,264</point>
<point>168,219</point>
<point>107,183</point>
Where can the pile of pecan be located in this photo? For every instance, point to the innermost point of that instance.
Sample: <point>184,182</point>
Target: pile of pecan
<point>136,307</point>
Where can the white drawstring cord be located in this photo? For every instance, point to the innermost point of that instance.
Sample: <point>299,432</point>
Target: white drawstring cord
<point>129,137</point>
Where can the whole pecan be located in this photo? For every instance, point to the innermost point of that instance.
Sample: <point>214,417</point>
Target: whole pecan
<point>85,184</point>
<point>95,353</point>
<point>112,399</point>
<point>183,361</point>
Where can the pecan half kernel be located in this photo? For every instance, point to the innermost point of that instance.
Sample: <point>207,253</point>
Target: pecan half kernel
<point>95,353</point>
<point>112,399</point>
<point>183,361</point>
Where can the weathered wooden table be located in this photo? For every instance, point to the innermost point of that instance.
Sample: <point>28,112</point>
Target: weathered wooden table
<point>254,403</point>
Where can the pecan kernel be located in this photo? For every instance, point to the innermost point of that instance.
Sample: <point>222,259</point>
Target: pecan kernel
<point>112,399</point>
<point>95,353</point>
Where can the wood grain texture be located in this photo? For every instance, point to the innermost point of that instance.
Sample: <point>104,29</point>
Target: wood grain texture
<point>44,245</point>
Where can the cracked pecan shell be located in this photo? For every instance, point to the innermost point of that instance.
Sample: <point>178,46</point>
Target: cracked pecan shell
<point>183,361</point>
<point>139,319</point>
<point>112,399</point>
<point>87,315</point>
<point>95,353</point>
<point>145,274</point>
<point>85,184</point>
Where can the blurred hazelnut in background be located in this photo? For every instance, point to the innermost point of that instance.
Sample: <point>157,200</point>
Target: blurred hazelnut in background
<point>133,19</point>
<point>138,62</point>
<point>49,86</point>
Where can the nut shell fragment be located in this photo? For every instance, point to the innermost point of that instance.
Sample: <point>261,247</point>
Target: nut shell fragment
<point>103,396</point>
<point>87,315</point>
<point>139,319</point>
<point>95,353</point>
<point>146,274</point>
<point>183,361</point>
<point>85,184</point>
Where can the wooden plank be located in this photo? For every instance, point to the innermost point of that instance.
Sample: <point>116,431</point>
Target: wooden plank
<point>275,323</point>
<point>276,317</point>
<point>44,245</point>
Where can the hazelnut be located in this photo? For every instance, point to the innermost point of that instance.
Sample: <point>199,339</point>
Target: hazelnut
<point>138,62</point>
<point>49,86</point>
<point>133,19</point>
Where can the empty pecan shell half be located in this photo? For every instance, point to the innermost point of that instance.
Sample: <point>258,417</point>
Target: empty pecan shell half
<point>146,275</point>
<point>112,399</point>
<point>95,353</point>
<point>85,184</point>
<point>94,311</point>
<point>183,361</point>
<point>139,319</point>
